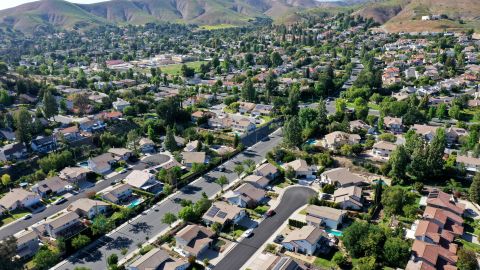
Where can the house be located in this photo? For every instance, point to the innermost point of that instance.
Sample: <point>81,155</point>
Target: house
<point>302,169</point>
<point>70,134</point>
<point>341,177</point>
<point>426,131</point>
<point>52,185</point>
<point>118,193</point>
<point>202,114</point>
<point>442,200</point>
<point>246,195</point>
<point>120,104</point>
<point>322,216</point>
<point>269,261</point>
<point>146,145</point>
<point>13,151</point>
<point>243,125</point>
<point>454,133</point>
<point>158,259</point>
<point>102,164</point>
<point>256,180</point>
<point>383,149</point>
<point>192,146</point>
<point>349,197</point>
<point>44,144</point>
<point>189,158</point>
<point>471,164</point>
<point>357,125</point>
<point>65,224</point>
<point>223,213</point>
<point>74,174</point>
<point>262,110</point>
<point>28,244</point>
<point>393,124</point>
<point>144,180</point>
<point>246,107</point>
<point>121,153</point>
<point>92,125</point>
<point>446,220</point>
<point>430,257</point>
<point>267,170</point>
<point>305,240</point>
<point>337,139</point>
<point>88,208</point>
<point>18,198</point>
<point>193,240</point>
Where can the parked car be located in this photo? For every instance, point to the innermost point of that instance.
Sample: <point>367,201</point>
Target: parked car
<point>28,216</point>
<point>60,201</point>
<point>270,213</point>
<point>248,233</point>
<point>278,239</point>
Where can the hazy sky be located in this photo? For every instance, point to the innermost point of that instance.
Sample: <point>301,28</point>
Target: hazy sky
<point>12,3</point>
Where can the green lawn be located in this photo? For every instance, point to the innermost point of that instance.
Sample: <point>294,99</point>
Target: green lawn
<point>324,263</point>
<point>217,26</point>
<point>261,209</point>
<point>176,68</point>
<point>17,214</point>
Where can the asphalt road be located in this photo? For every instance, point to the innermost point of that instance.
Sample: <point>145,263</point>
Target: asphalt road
<point>292,199</point>
<point>13,228</point>
<point>148,224</point>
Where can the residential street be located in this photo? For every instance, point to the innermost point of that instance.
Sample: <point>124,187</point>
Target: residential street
<point>148,224</point>
<point>292,199</point>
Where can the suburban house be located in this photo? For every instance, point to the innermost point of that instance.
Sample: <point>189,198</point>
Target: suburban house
<point>194,239</point>
<point>66,224</point>
<point>337,139</point>
<point>144,180</point>
<point>243,125</point>
<point>120,104</point>
<point>102,164</point>
<point>393,124</point>
<point>256,180</point>
<point>267,170</point>
<point>357,125</point>
<point>431,256</point>
<point>442,200</point>
<point>223,213</point>
<point>305,240</point>
<point>191,146</point>
<point>118,193</point>
<point>92,125</point>
<point>51,186</point>
<point>18,198</point>
<point>261,109</point>
<point>246,195</point>
<point>269,261</point>
<point>322,216</point>
<point>88,208</point>
<point>44,144</point>
<point>74,174</point>
<point>158,259</point>
<point>121,153</point>
<point>349,197</point>
<point>445,220</point>
<point>341,177</point>
<point>13,151</point>
<point>471,164</point>
<point>383,149</point>
<point>189,158</point>
<point>70,134</point>
<point>28,243</point>
<point>302,169</point>
<point>146,145</point>
<point>246,107</point>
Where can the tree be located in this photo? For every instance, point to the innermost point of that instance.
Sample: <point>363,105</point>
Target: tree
<point>292,132</point>
<point>101,224</point>
<point>81,102</point>
<point>133,138</point>
<point>363,239</point>
<point>170,143</point>
<point>50,107</point>
<point>467,260</point>
<point>187,213</point>
<point>398,161</point>
<point>276,59</point>
<point>340,105</point>
<point>169,218</point>
<point>366,263</point>
<point>112,260</point>
<point>248,91</point>
<point>45,258</point>
<point>216,227</point>
<point>395,198</point>
<point>3,68</point>
<point>6,179</point>
<point>436,150</point>
<point>290,173</point>
<point>473,192</point>
<point>80,241</point>
<point>239,169</point>
<point>442,111</point>
<point>396,252</point>
<point>187,71</point>
<point>221,181</point>
<point>23,123</point>
<point>8,249</point>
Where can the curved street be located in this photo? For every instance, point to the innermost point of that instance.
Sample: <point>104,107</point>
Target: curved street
<point>292,199</point>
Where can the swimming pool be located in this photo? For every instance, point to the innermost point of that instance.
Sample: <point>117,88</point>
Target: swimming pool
<point>334,232</point>
<point>311,142</point>
<point>83,164</point>
<point>135,203</point>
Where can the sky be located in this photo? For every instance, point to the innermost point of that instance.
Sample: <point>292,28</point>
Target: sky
<point>12,3</point>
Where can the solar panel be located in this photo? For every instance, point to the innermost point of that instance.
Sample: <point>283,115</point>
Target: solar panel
<point>213,211</point>
<point>222,214</point>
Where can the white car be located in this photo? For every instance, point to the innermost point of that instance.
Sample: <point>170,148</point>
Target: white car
<point>248,233</point>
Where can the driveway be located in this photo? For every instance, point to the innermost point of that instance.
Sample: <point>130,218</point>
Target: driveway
<point>292,199</point>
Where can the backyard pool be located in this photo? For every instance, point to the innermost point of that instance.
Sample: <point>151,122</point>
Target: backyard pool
<point>135,203</point>
<point>334,232</point>
<point>83,164</point>
<point>311,142</point>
